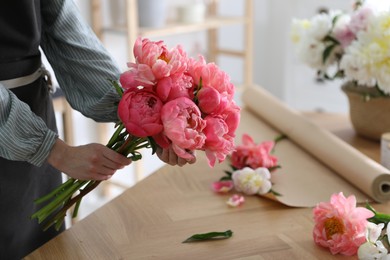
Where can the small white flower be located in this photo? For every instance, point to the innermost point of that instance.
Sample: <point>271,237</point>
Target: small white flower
<point>321,25</point>
<point>370,251</point>
<point>250,181</point>
<point>373,248</point>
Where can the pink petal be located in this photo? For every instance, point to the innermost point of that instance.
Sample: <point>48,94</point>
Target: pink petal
<point>222,186</point>
<point>236,200</point>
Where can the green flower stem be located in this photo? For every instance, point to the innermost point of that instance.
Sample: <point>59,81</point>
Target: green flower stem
<point>115,136</point>
<point>43,213</point>
<point>145,145</point>
<point>55,192</point>
<point>117,145</point>
<point>61,214</point>
<point>133,146</point>
<point>76,209</point>
<point>280,138</point>
<point>378,216</point>
<point>123,148</point>
<point>117,87</point>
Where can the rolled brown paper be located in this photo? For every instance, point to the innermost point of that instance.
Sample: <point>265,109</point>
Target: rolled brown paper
<point>362,172</point>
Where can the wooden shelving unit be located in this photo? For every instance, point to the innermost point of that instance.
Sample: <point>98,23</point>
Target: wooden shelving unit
<point>212,23</point>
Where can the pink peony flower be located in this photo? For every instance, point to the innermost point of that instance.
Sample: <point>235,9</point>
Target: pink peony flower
<point>223,186</point>
<point>340,225</point>
<point>137,75</point>
<point>211,77</point>
<point>249,154</point>
<point>344,35</point>
<point>178,85</point>
<point>184,126</point>
<point>163,62</point>
<point>209,99</point>
<point>139,111</point>
<point>231,116</point>
<point>218,141</point>
<point>360,19</point>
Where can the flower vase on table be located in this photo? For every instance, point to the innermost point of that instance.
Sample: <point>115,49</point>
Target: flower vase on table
<point>354,47</point>
<point>368,110</point>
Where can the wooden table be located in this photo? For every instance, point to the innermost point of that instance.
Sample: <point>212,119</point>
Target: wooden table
<point>151,219</point>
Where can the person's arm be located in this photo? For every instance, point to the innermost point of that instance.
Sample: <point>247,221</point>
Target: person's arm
<point>23,135</point>
<point>81,64</point>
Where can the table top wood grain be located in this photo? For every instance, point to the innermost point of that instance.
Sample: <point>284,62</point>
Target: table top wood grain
<point>151,219</point>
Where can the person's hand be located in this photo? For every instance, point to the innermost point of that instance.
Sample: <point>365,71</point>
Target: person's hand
<point>86,162</point>
<point>170,157</point>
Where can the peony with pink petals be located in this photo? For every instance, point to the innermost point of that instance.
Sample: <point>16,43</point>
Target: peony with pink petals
<point>140,113</point>
<point>184,126</point>
<point>162,61</point>
<point>250,154</point>
<point>340,225</point>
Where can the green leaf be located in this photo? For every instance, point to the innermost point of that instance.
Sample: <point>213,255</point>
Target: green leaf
<point>331,39</point>
<point>135,156</point>
<point>153,144</point>
<point>118,88</point>
<point>273,168</point>
<point>209,236</point>
<point>226,178</point>
<point>327,52</point>
<point>378,217</point>
<point>280,138</point>
<point>275,193</point>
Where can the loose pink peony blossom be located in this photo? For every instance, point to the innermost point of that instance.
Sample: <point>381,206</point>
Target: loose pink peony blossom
<point>340,225</point>
<point>184,126</point>
<point>253,155</point>
<point>223,186</point>
<point>139,111</point>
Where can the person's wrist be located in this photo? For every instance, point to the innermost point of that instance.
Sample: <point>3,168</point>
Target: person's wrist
<point>57,153</point>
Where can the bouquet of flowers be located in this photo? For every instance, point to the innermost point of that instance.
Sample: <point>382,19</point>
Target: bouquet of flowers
<point>347,229</point>
<point>251,165</point>
<point>167,99</point>
<point>353,46</point>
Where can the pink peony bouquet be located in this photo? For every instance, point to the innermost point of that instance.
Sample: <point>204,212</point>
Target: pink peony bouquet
<point>347,229</point>
<point>169,100</point>
<point>251,165</point>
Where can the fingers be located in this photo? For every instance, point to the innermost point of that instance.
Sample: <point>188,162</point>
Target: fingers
<point>87,162</point>
<point>170,157</point>
<point>116,160</point>
<point>107,162</point>
<point>113,160</point>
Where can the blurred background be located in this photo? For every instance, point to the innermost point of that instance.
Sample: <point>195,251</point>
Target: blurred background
<point>248,39</point>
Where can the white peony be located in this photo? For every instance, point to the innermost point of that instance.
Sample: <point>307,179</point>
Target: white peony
<point>366,60</point>
<point>252,181</point>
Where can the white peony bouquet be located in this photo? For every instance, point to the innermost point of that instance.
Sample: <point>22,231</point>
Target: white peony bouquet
<point>354,46</point>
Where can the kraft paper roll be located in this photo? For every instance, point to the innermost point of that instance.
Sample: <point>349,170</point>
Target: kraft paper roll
<point>335,167</point>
